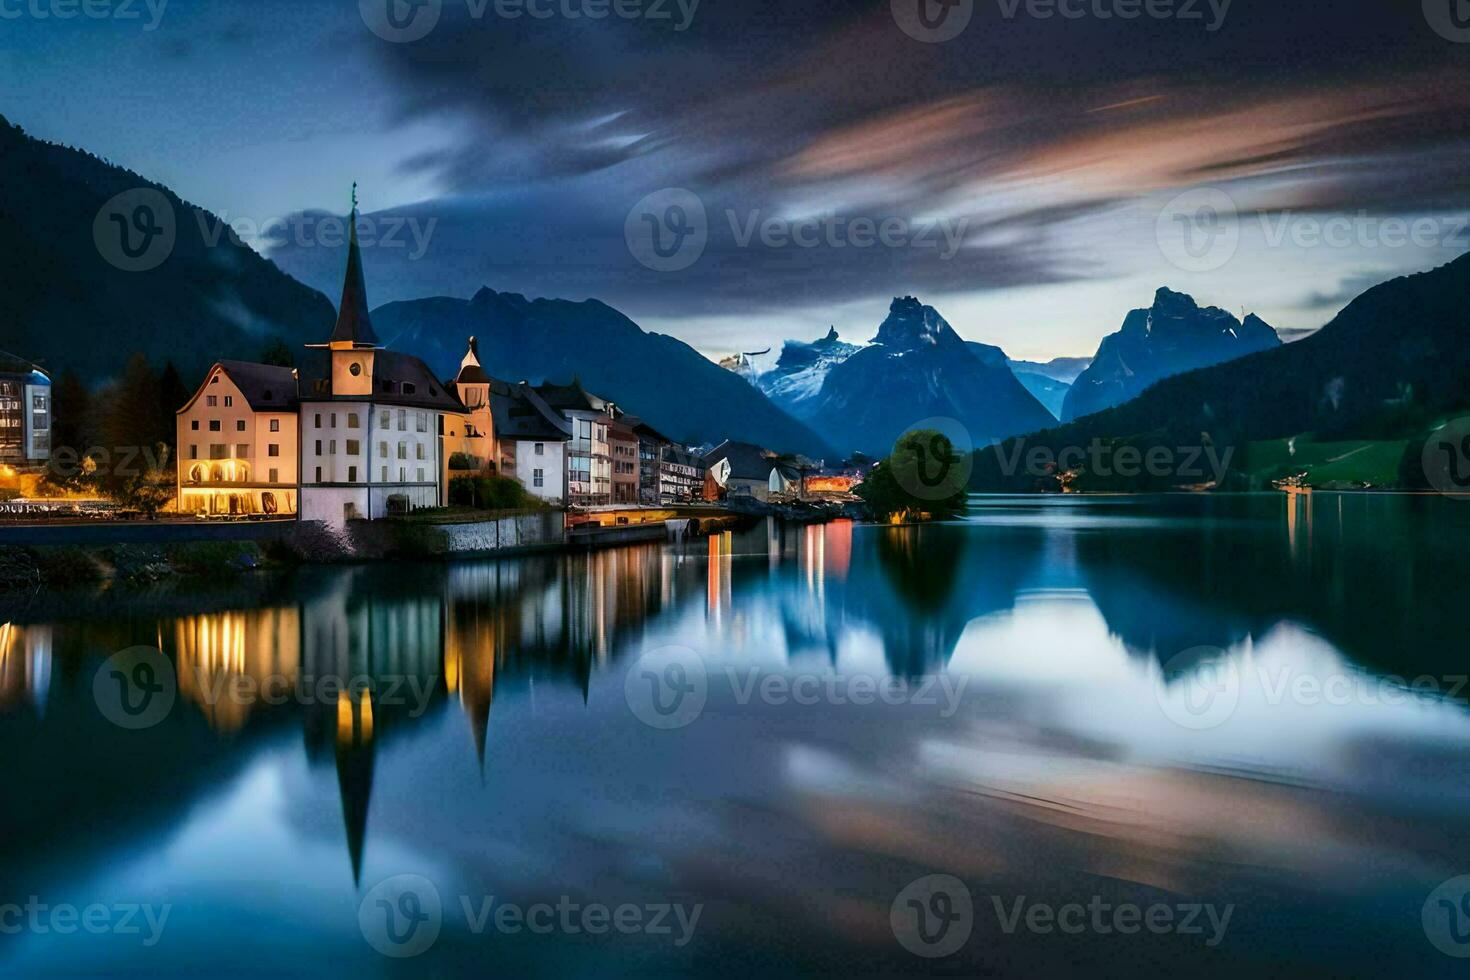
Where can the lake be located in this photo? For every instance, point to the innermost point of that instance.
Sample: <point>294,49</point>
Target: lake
<point>1114,734</point>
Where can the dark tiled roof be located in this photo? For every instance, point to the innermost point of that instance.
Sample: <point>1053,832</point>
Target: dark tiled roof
<point>747,461</point>
<point>472,374</point>
<point>353,323</point>
<point>10,364</point>
<point>266,387</point>
<point>520,413</point>
<point>572,398</point>
<point>644,429</point>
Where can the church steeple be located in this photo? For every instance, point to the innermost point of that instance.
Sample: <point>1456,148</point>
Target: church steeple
<point>354,327</point>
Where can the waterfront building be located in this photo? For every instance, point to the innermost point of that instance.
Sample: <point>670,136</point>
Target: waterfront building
<point>622,444</point>
<point>681,475</point>
<point>237,442</point>
<point>589,457</point>
<point>533,441</point>
<point>742,469</point>
<point>25,412</point>
<point>371,428</point>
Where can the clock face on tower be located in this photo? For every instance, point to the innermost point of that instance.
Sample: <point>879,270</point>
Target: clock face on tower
<point>355,368</point>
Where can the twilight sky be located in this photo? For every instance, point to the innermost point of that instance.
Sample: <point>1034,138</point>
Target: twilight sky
<point>1028,170</point>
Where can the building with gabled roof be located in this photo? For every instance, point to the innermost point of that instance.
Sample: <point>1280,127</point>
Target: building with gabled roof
<point>237,442</point>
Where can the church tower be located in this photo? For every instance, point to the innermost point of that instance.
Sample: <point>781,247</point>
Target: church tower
<point>353,343</point>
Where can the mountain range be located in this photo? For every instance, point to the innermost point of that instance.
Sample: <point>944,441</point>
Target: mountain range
<point>665,381</point>
<point>1393,362</point>
<point>1170,337</point>
<point>864,396</point>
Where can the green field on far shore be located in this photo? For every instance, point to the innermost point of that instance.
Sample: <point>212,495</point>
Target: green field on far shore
<point>1352,463</point>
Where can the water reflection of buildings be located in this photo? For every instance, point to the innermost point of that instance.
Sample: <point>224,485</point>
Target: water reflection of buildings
<point>216,652</point>
<point>25,666</point>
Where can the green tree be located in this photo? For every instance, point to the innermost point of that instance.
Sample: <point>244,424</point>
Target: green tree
<point>922,477</point>
<point>279,353</point>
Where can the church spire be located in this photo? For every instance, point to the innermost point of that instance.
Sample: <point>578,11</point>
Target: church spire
<point>354,326</point>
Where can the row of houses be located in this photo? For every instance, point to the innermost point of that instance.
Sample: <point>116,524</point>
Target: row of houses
<point>378,434</point>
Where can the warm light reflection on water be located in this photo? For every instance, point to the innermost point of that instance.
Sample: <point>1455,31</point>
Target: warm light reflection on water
<point>1245,700</point>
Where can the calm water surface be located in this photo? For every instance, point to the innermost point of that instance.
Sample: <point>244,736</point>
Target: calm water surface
<point>1248,703</point>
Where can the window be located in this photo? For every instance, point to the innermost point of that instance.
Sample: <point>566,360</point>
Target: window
<point>318,420</point>
<point>331,447</point>
<point>403,450</point>
<point>423,421</point>
<point>538,478</point>
<point>385,474</point>
<point>217,450</point>
<point>420,451</point>
<point>403,474</point>
<point>540,450</point>
<point>354,447</point>
<point>229,401</point>
<point>333,419</point>
<point>354,369</point>
<point>212,401</point>
<point>214,425</point>
<point>352,422</point>
<point>383,449</point>
<point>275,425</point>
<point>318,447</point>
<point>242,450</point>
<point>272,449</point>
<point>403,420</point>
<point>194,425</point>
<point>193,451</point>
<point>239,425</point>
<point>275,476</point>
<point>387,420</point>
<point>409,388</point>
<point>421,474</point>
<point>352,474</point>
<point>318,474</point>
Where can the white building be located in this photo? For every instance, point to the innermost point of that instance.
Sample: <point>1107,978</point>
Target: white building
<point>532,438</point>
<point>371,429</point>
